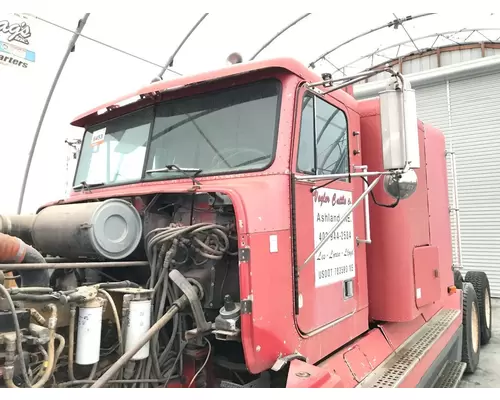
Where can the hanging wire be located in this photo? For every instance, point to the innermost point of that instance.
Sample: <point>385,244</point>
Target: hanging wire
<point>69,50</point>
<point>407,33</point>
<point>438,35</point>
<point>293,23</point>
<point>392,24</point>
<point>170,61</point>
<point>107,45</point>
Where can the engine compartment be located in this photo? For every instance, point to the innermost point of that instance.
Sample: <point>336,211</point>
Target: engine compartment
<point>110,272</point>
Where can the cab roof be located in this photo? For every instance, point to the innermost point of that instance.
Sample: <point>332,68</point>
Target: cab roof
<point>288,64</point>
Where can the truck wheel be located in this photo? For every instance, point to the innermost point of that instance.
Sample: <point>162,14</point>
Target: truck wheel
<point>482,288</point>
<point>457,276</point>
<point>471,329</point>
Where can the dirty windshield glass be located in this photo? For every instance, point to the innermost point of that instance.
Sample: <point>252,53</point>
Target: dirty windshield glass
<point>114,152</point>
<point>231,130</point>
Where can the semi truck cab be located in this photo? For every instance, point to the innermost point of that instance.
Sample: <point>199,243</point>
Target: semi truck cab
<point>272,224</point>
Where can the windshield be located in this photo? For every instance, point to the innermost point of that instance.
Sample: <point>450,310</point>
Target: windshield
<point>114,152</point>
<point>232,130</point>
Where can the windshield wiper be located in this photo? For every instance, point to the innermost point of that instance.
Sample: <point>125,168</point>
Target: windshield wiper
<point>184,171</point>
<point>87,186</point>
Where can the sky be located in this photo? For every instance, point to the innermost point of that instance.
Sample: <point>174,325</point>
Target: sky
<point>95,74</point>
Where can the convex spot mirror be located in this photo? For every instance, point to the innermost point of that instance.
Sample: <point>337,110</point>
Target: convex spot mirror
<point>401,186</point>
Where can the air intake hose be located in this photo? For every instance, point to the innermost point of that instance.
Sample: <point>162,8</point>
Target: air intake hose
<point>14,250</point>
<point>18,225</point>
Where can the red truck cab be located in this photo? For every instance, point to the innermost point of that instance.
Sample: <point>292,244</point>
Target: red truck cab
<point>341,272</point>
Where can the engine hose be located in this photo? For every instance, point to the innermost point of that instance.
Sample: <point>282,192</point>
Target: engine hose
<point>45,361</point>
<point>31,290</point>
<point>120,363</point>
<point>115,316</point>
<point>71,342</point>
<point>38,317</point>
<point>60,349</point>
<point>155,343</point>
<point>118,285</point>
<point>198,373</point>
<point>51,362</point>
<point>92,374</point>
<point>51,354</point>
<point>35,298</point>
<point>18,225</point>
<point>19,344</point>
<point>117,324</point>
<point>119,381</point>
<point>13,249</point>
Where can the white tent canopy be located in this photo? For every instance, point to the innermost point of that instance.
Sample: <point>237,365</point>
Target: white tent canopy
<point>96,73</point>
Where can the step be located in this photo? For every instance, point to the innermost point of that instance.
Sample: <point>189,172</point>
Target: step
<point>393,371</point>
<point>451,374</point>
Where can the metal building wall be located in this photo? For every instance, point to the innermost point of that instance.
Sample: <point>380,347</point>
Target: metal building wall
<point>475,131</point>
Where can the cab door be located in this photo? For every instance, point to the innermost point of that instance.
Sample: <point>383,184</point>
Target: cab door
<point>327,284</point>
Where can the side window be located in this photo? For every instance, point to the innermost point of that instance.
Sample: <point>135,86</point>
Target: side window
<point>306,158</point>
<point>331,139</point>
<point>323,142</point>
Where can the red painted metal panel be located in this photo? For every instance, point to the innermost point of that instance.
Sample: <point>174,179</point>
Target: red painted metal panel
<point>359,358</point>
<point>395,231</point>
<point>453,301</point>
<point>398,332</point>
<point>261,211</point>
<point>375,347</point>
<point>337,365</point>
<point>426,269</point>
<point>304,375</point>
<point>349,363</point>
<point>358,363</point>
<point>320,305</point>
<point>314,314</point>
<point>429,311</point>
<point>271,329</point>
<point>439,216</point>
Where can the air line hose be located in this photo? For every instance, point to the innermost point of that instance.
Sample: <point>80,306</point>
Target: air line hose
<point>120,363</point>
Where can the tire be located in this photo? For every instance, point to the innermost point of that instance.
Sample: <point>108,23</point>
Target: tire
<point>459,282</point>
<point>482,287</point>
<point>471,329</point>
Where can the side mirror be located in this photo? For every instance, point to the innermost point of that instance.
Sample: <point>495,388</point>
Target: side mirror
<point>399,127</point>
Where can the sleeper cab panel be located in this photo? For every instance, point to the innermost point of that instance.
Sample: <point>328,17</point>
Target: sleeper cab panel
<point>439,202</point>
<point>395,232</point>
<point>426,270</point>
